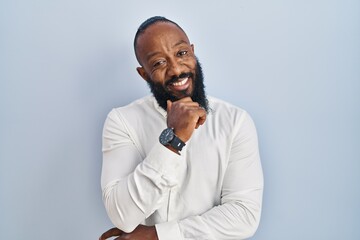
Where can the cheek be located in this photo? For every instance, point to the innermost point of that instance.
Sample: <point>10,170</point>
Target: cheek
<point>191,63</point>
<point>158,77</point>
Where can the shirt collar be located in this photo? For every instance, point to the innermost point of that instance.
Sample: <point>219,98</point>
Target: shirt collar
<point>158,108</point>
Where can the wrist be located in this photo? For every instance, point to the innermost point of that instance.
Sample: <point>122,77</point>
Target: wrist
<point>181,136</point>
<point>169,138</point>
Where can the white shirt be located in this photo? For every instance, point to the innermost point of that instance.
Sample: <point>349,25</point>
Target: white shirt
<point>213,190</point>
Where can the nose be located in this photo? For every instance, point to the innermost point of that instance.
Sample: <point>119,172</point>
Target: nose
<point>174,68</point>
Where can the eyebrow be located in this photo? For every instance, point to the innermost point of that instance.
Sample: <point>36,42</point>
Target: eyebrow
<point>150,55</point>
<point>180,42</point>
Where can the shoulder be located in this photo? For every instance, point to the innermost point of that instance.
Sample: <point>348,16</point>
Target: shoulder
<point>227,114</point>
<point>218,106</point>
<point>141,103</point>
<point>231,119</point>
<point>135,114</point>
<point>137,108</point>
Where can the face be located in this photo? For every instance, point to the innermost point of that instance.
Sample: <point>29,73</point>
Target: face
<point>198,94</point>
<point>167,60</point>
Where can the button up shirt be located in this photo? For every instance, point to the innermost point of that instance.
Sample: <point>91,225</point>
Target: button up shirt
<point>212,190</point>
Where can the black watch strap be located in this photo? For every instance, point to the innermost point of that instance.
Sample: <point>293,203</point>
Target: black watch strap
<point>177,143</point>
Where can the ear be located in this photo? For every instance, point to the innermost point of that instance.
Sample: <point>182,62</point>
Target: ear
<point>192,47</point>
<point>141,71</point>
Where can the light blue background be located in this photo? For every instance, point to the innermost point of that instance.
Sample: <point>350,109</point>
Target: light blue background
<point>294,65</point>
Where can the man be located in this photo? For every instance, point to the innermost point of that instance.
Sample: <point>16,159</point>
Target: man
<point>179,164</point>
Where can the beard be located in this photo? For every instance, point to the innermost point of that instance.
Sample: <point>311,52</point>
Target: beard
<point>198,95</point>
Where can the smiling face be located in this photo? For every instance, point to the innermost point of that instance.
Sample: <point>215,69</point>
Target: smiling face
<point>167,59</point>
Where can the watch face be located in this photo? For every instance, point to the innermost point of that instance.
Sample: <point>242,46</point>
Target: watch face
<point>166,136</point>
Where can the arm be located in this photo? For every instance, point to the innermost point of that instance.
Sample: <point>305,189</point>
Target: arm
<point>141,232</point>
<point>133,187</point>
<point>238,215</point>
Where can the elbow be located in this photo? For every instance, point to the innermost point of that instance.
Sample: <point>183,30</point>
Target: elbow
<point>125,227</point>
<point>249,219</point>
<point>125,224</point>
<point>247,230</point>
<point>124,217</point>
<point>251,231</point>
<point>121,219</point>
<point>253,225</point>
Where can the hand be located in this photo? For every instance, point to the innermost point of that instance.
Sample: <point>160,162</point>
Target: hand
<point>141,232</point>
<point>185,116</point>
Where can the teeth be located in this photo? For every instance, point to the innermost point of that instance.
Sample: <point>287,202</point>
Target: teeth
<point>181,82</point>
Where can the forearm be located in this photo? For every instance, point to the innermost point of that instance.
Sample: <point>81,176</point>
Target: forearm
<point>121,208</point>
<point>238,215</point>
<point>130,199</point>
<point>232,220</point>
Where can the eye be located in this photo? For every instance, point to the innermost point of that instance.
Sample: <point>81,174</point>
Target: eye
<point>158,63</point>
<point>182,53</point>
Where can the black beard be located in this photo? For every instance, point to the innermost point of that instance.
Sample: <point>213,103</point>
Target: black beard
<point>198,94</point>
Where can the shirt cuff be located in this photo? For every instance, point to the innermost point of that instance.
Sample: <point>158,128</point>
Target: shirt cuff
<point>163,160</point>
<point>168,231</point>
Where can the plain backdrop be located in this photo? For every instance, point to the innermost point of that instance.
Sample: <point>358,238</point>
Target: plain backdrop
<point>293,65</point>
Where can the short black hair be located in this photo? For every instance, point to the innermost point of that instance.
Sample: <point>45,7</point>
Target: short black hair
<point>147,23</point>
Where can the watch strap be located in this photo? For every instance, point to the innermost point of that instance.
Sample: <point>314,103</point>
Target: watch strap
<point>177,143</point>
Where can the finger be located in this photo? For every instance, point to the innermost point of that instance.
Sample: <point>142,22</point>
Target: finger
<point>200,122</point>
<point>185,99</point>
<point>111,233</point>
<point>199,112</point>
<point>178,104</point>
<point>202,118</point>
<point>187,107</point>
<point>190,104</point>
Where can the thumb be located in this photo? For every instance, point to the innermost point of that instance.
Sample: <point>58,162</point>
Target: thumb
<point>169,105</point>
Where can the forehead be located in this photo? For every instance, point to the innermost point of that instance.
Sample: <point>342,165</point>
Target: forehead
<point>159,37</point>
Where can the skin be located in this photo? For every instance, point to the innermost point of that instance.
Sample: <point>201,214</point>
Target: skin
<point>164,51</point>
<point>140,233</point>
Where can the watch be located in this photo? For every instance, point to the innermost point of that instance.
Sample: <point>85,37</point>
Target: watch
<point>168,137</point>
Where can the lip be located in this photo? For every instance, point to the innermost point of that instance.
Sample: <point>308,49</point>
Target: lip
<point>180,85</point>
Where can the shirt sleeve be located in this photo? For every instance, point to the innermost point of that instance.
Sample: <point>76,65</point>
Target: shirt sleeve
<point>133,187</point>
<point>238,215</point>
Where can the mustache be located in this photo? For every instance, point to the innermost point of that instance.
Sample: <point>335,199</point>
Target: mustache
<point>176,78</point>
